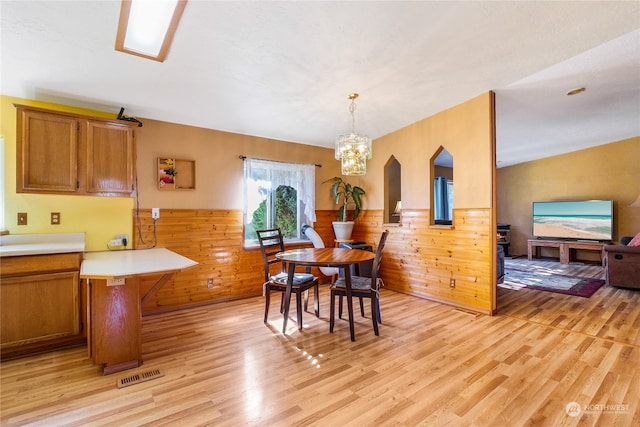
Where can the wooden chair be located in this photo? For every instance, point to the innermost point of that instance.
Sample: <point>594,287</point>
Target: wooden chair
<point>272,242</point>
<point>362,287</point>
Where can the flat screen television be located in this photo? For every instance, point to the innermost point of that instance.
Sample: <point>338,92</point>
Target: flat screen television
<point>575,220</point>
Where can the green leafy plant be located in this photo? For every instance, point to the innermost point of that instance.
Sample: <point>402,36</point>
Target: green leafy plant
<point>346,194</point>
<point>286,208</point>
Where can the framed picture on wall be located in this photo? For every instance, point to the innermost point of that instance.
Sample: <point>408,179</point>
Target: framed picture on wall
<point>176,174</point>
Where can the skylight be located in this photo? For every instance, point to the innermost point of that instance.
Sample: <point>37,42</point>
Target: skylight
<point>146,27</point>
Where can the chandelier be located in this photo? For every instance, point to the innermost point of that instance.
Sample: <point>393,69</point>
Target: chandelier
<point>353,150</point>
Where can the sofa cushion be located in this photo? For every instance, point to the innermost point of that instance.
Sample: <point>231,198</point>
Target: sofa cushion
<point>635,241</point>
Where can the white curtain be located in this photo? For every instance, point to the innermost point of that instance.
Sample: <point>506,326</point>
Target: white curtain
<point>300,176</point>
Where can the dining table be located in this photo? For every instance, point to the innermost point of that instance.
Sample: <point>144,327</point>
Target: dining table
<point>342,258</point>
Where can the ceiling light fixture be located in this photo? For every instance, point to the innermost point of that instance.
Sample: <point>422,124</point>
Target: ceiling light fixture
<point>353,150</point>
<point>146,27</point>
<point>576,91</point>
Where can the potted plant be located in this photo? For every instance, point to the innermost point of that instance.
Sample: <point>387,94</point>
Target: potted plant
<point>345,195</point>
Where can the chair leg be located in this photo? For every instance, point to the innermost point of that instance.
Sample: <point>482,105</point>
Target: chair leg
<point>340,308</point>
<point>362,307</point>
<point>332,311</point>
<point>306,300</point>
<point>316,299</point>
<point>282,303</point>
<point>299,308</point>
<point>267,300</point>
<point>374,315</point>
<point>379,314</point>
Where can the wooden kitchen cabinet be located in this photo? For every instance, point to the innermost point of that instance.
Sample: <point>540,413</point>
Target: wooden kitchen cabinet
<point>47,152</point>
<point>110,159</point>
<point>41,307</point>
<point>65,153</point>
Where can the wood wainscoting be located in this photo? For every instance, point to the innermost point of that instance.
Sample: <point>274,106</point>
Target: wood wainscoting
<point>419,259</point>
<point>213,238</point>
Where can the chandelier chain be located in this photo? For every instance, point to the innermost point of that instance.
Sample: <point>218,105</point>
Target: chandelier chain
<point>352,110</point>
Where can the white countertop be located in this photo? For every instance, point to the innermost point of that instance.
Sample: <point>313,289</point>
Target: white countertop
<point>112,264</point>
<point>39,244</point>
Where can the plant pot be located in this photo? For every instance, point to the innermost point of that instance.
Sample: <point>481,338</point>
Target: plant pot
<point>343,229</point>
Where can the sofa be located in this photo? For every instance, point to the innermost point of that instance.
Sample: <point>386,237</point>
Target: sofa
<point>500,269</point>
<point>622,264</point>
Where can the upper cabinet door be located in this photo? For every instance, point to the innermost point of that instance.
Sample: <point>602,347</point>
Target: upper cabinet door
<point>67,153</point>
<point>47,152</point>
<point>110,159</point>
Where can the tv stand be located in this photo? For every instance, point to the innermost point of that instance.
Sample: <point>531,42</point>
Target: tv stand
<point>566,248</point>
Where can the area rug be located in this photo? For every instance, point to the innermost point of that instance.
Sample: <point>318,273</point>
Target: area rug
<point>548,279</point>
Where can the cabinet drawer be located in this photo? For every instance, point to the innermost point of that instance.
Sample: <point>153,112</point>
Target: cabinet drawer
<point>32,264</point>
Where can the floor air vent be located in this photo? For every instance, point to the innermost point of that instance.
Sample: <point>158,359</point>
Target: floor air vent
<point>469,312</point>
<point>138,378</point>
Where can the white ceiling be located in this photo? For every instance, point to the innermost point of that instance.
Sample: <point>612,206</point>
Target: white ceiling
<point>283,70</point>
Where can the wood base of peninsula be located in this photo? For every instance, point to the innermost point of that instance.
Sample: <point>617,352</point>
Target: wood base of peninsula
<point>115,324</point>
<point>566,248</point>
<point>115,304</point>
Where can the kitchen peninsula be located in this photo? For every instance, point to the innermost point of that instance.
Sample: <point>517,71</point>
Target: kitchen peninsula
<point>114,313</point>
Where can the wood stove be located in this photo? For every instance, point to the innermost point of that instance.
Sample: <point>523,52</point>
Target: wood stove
<point>504,237</point>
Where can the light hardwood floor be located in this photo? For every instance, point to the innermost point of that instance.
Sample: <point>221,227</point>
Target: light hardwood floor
<point>432,365</point>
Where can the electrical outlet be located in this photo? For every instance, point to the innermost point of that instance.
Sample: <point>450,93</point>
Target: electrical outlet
<point>155,213</point>
<point>452,283</point>
<point>210,282</point>
<point>22,218</point>
<point>55,218</point>
<point>124,238</point>
<point>115,242</point>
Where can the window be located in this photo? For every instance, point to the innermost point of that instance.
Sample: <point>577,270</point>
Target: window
<point>392,191</point>
<point>443,199</point>
<point>277,195</point>
<point>442,194</point>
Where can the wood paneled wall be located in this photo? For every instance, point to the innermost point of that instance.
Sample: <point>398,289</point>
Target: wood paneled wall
<point>213,238</point>
<point>419,259</point>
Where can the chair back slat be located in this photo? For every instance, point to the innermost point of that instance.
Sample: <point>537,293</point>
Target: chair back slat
<point>376,261</point>
<point>271,242</point>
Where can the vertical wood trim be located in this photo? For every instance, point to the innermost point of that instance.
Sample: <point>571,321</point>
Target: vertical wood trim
<point>494,203</point>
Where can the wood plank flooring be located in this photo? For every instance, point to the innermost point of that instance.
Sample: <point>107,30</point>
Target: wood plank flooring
<point>432,365</point>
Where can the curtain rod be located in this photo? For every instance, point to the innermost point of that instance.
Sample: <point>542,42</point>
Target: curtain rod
<point>241,157</point>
